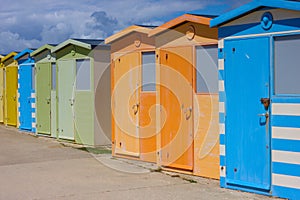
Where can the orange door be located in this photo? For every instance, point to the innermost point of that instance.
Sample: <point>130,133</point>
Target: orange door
<point>147,115</point>
<point>176,92</point>
<point>126,104</point>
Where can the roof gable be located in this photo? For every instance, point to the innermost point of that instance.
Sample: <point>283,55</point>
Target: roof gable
<point>41,49</point>
<point>8,56</point>
<point>23,53</point>
<point>127,31</point>
<point>253,6</point>
<point>84,43</point>
<point>200,19</point>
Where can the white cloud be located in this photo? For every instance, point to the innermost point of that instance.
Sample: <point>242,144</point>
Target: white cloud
<point>52,21</point>
<point>12,42</point>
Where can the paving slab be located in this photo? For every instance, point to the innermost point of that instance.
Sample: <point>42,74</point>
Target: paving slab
<point>40,168</point>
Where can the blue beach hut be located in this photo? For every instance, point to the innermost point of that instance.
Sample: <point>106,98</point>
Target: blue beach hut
<point>259,87</point>
<point>26,90</point>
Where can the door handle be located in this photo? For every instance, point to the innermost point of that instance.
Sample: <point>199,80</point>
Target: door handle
<point>135,108</point>
<point>188,113</point>
<point>264,115</point>
<point>72,101</point>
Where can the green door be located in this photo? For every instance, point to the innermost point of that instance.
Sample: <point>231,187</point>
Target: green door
<point>65,98</point>
<point>43,98</point>
<point>53,100</point>
<point>84,103</point>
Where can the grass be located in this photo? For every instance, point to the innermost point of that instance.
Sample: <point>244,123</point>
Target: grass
<point>97,150</point>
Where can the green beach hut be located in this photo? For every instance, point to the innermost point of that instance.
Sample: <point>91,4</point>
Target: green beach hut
<point>45,75</point>
<point>83,91</point>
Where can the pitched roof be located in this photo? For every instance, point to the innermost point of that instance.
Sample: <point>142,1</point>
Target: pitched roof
<point>22,53</point>
<point>253,6</point>
<point>8,56</point>
<point>196,18</point>
<point>128,30</point>
<point>42,48</point>
<point>84,43</point>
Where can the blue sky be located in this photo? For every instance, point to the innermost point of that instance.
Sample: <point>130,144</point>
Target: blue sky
<point>33,23</point>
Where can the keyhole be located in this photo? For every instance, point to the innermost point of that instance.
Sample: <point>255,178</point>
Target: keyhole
<point>235,170</point>
<point>166,56</point>
<point>233,50</point>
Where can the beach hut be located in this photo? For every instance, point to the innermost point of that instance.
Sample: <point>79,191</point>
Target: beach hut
<point>10,82</point>
<point>83,91</point>
<point>26,90</point>
<point>259,98</point>
<point>133,93</point>
<point>1,90</point>
<point>186,56</point>
<point>45,78</point>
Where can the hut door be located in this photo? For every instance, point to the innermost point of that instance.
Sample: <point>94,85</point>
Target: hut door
<point>53,127</point>
<point>11,95</point>
<point>25,85</point>
<point>126,104</point>
<point>43,97</point>
<point>84,111</point>
<point>1,95</point>
<point>66,80</point>
<point>176,74</point>
<point>247,147</point>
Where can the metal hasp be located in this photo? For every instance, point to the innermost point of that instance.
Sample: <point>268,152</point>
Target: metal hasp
<point>26,91</point>
<point>259,87</point>
<point>83,91</point>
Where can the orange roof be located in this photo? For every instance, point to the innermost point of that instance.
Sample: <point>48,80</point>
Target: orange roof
<point>179,20</point>
<point>128,30</point>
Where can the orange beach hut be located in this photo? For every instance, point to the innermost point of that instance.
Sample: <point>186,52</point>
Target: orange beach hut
<point>186,56</point>
<point>134,93</point>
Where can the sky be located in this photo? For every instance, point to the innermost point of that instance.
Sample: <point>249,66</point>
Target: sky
<point>33,23</point>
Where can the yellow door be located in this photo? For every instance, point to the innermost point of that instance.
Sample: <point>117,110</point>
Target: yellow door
<point>126,104</point>
<point>11,95</point>
<point>176,76</point>
<point>1,96</point>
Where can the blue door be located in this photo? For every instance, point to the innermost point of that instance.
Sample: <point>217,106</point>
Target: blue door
<point>25,87</point>
<point>247,150</point>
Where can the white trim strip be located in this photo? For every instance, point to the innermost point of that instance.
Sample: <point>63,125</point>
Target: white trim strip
<point>286,133</point>
<point>33,114</point>
<point>286,109</point>
<point>221,86</point>
<point>222,171</point>
<point>222,149</point>
<point>32,105</point>
<point>221,64</point>
<point>32,95</point>
<point>222,128</point>
<point>221,107</point>
<point>221,44</point>
<point>286,157</point>
<point>286,181</point>
<point>33,125</point>
<point>263,34</point>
